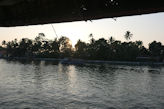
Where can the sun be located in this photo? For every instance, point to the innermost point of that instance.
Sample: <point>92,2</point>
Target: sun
<point>73,41</point>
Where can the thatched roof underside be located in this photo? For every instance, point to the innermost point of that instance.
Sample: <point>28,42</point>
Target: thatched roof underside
<point>31,12</point>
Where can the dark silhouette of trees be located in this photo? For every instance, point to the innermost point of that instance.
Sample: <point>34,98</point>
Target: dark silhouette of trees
<point>155,48</point>
<point>100,49</point>
<point>65,47</point>
<point>3,43</point>
<point>81,50</point>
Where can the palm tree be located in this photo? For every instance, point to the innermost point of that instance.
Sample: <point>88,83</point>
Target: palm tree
<point>92,40</point>
<point>111,40</point>
<point>128,35</point>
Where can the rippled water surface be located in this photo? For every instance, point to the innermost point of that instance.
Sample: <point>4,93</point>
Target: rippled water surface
<point>46,85</point>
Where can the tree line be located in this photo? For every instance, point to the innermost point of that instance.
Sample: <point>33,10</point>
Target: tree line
<point>101,49</point>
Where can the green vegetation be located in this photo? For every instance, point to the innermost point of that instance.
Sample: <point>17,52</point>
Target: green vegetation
<point>101,49</point>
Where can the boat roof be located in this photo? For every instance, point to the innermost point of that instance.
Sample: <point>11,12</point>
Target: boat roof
<point>32,12</point>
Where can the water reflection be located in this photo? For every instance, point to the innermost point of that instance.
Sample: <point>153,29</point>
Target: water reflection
<point>40,84</point>
<point>72,77</point>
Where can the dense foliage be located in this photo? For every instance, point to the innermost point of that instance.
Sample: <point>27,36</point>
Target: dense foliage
<point>101,49</point>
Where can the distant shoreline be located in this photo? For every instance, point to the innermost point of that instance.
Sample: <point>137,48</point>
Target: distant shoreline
<point>81,61</point>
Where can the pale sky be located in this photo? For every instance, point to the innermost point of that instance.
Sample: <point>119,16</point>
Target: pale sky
<point>144,27</point>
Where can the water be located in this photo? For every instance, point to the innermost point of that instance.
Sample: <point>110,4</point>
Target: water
<point>46,85</point>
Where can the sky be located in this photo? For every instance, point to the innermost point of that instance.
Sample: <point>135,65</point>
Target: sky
<point>147,28</point>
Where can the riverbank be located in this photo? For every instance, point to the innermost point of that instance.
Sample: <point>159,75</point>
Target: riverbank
<point>80,61</point>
